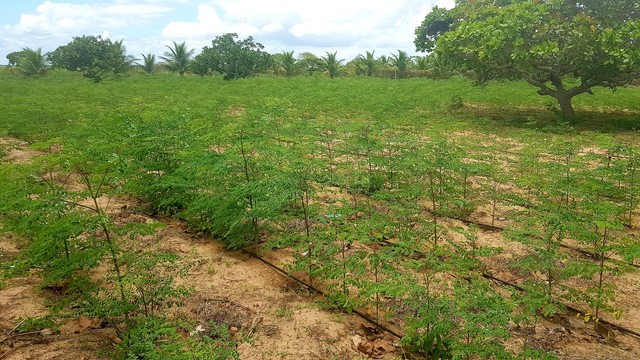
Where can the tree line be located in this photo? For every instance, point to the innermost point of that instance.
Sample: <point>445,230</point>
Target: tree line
<point>228,56</point>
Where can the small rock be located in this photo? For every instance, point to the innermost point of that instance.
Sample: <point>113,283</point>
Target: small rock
<point>45,332</point>
<point>233,330</point>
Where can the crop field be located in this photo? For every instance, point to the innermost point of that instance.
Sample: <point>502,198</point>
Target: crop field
<point>158,216</point>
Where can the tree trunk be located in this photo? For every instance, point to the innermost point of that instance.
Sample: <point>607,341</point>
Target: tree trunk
<point>562,94</point>
<point>565,106</point>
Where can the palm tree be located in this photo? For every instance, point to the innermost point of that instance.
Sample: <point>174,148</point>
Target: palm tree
<point>32,62</point>
<point>331,64</point>
<point>401,61</point>
<point>178,57</point>
<point>423,62</point>
<point>369,61</point>
<point>289,63</point>
<point>129,60</point>
<point>149,63</point>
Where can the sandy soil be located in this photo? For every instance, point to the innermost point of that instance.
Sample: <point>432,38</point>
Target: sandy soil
<point>279,318</point>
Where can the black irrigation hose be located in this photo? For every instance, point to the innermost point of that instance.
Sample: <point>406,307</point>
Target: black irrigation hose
<point>485,275</point>
<point>499,228</point>
<point>577,311</point>
<point>320,292</point>
<point>569,307</point>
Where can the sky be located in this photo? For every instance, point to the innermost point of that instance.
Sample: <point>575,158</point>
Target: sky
<point>349,27</point>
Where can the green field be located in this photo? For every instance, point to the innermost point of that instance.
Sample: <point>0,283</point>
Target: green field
<point>61,100</point>
<point>368,185</point>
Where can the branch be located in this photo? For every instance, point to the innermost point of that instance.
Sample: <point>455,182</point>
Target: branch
<point>584,87</point>
<point>544,89</point>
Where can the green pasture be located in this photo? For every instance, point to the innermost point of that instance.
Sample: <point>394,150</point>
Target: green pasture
<point>61,102</point>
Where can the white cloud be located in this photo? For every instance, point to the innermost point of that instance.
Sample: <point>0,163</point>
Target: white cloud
<point>53,18</point>
<point>346,26</point>
<point>208,22</point>
<point>52,23</point>
<point>349,27</point>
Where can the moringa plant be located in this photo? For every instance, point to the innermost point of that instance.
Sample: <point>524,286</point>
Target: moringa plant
<point>543,229</point>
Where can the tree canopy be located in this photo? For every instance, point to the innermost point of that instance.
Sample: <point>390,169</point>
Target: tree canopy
<point>13,57</point>
<point>564,48</point>
<point>233,58</point>
<point>91,55</point>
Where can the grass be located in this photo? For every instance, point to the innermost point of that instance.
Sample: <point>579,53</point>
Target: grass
<point>56,105</point>
<point>193,131</point>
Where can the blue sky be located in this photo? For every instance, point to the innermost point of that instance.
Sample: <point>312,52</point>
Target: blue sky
<point>349,27</point>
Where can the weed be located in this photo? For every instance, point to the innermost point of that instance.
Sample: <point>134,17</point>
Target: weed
<point>35,324</point>
<point>284,311</point>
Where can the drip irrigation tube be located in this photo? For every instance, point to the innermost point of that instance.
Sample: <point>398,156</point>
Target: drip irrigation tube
<point>320,292</point>
<point>499,228</point>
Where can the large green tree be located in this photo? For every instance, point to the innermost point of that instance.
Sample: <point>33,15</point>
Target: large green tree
<point>562,47</point>
<point>91,55</point>
<point>309,63</point>
<point>231,57</point>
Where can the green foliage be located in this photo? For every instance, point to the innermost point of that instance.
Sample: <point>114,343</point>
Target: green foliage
<point>91,55</point>
<point>13,57</point>
<point>149,63</point>
<point>543,230</point>
<point>32,62</point>
<point>331,64</point>
<point>437,22</point>
<point>284,64</point>
<point>455,103</point>
<point>482,316</point>
<point>159,338</point>
<point>367,64</point>
<point>150,281</point>
<point>235,59</point>
<point>401,61</point>
<point>309,63</point>
<point>34,324</point>
<point>334,173</point>
<point>563,50</point>
<point>178,58</point>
